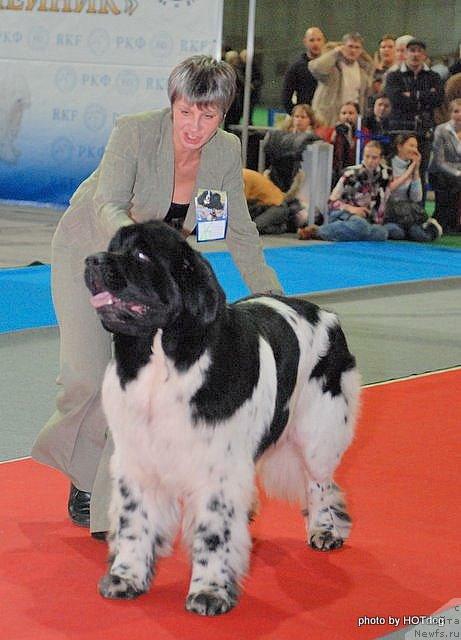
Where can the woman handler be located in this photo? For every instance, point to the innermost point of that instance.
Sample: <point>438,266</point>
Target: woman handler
<point>154,165</point>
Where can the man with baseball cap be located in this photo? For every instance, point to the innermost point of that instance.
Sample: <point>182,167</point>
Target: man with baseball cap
<point>415,91</point>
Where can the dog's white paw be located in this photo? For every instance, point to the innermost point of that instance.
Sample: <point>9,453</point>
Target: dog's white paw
<point>207,603</point>
<point>322,540</point>
<point>117,588</point>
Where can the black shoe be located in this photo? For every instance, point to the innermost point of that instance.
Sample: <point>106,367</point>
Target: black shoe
<point>78,506</point>
<point>99,535</point>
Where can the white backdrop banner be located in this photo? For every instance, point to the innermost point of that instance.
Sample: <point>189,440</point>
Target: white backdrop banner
<point>68,68</point>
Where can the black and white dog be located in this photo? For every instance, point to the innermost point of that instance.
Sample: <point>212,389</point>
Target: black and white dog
<point>200,396</point>
<point>210,199</point>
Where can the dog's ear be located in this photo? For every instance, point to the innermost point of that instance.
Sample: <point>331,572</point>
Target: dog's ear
<point>202,295</point>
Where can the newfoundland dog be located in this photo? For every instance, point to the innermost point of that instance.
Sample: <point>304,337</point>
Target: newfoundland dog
<point>200,398</point>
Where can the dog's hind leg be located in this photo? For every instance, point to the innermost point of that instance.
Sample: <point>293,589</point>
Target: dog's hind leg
<point>136,539</point>
<point>326,432</point>
<point>327,522</point>
<point>220,550</point>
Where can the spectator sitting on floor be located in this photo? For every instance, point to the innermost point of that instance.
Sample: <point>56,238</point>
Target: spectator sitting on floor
<point>357,202</point>
<point>445,170</point>
<point>272,210</point>
<point>404,217</point>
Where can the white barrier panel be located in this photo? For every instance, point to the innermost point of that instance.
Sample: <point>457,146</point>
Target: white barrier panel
<point>68,68</point>
<point>317,166</point>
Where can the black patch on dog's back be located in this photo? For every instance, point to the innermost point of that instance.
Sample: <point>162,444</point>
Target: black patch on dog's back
<point>334,363</point>
<point>233,372</point>
<point>283,341</point>
<point>307,310</point>
<point>235,367</point>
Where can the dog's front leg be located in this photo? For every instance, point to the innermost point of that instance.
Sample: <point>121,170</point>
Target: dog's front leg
<point>220,552</point>
<point>136,539</point>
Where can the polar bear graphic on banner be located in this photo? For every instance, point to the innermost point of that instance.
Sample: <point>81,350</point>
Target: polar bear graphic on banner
<point>14,99</point>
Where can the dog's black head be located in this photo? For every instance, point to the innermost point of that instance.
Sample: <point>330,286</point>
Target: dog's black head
<point>149,278</point>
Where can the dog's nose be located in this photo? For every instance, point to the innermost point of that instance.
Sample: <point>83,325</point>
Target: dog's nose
<point>95,260</point>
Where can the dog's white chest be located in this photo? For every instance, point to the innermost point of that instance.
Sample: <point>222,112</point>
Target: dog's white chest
<point>150,419</point>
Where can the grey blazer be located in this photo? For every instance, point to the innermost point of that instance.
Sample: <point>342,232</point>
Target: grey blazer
<point>134,183</point>
<point>446,151</point>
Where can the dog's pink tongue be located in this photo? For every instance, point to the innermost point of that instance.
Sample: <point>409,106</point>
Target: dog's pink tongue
<point>101,299</point>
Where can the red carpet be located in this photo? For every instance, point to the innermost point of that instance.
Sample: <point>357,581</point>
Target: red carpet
<point>401,478</point>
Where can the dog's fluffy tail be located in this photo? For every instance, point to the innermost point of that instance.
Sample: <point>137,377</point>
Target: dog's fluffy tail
<point>282,474</point>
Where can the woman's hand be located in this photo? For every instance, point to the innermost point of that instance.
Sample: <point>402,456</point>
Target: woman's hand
<point>416,160</point>
<point>412,171</point>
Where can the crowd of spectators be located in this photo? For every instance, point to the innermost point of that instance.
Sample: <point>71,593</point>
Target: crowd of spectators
<point>395,99</point>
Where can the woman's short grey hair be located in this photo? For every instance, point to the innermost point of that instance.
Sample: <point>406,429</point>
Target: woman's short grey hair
<point>202,80</point>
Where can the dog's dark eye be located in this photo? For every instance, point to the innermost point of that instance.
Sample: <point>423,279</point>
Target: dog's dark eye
<point>142,256</point>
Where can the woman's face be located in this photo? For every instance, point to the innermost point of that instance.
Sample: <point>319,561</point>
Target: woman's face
<point>348,114</point>
<point>455,114</point>
<point>194,125</point>
<point>371,157</point>
<point>301,121</point>
<point>408,150</point>
<point>400,51</point>
<point>387,52</point>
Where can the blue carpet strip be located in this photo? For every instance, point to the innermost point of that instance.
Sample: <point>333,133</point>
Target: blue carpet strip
<point>27,303</point>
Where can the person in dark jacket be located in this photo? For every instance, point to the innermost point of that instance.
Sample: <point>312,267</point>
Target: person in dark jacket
<point>377,121</point>
<point>415,91</point>
<point>299,84</point>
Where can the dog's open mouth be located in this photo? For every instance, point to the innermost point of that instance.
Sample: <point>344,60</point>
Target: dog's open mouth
<point>106,299</point>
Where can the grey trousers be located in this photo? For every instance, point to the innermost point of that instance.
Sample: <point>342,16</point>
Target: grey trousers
<point>75,438</point>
